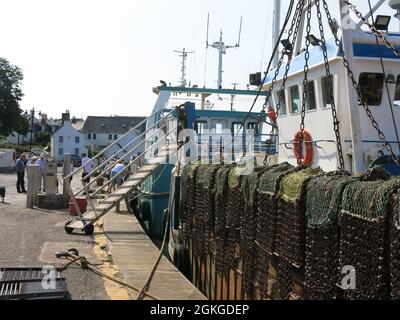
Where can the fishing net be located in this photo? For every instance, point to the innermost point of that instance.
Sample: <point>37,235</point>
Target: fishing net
<point>282,284</point>
<point>291,220</point>
<point>248,248</point>
<point>324,196</point>
<point>234,208</point>
<point>188,200</point>
<point>203,218</point>
<point>220,230</point>
<point>364,236</point>
<point>395,250</point>
<point>266,215</point>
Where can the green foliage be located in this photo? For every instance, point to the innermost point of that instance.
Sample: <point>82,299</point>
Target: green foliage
<point>11,116</point>
<point>43,138</point>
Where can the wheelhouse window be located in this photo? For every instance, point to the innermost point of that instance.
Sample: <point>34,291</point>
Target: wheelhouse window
<point>253,126</point>
<point>201,127</point>
<point>294,99</point>
<point>282,109</point>
<point>237,128</point>
<point>371,88</point>
<point>327,83</point>
<point>311,102</point>
<point>397,94</point>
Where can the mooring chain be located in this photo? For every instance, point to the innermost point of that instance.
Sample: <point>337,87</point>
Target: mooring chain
<point>305,84</point>
<point>374,30</point>
<point>355,84</point>
<point>294,30</point>
<point>336,122</point>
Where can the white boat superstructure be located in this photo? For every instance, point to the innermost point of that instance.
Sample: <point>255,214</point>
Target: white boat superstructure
<point>376,68</point>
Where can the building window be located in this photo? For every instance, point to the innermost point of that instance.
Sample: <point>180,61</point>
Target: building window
<point>201,127</point>
<point>115,137</point>
<point>371,88</point>
<point>60,139</point>
<point>311,103</point>
<point>294,99</point>
<point>61,151</point>
<point>77,151</point>
<point>94,136</point>
<point>282,109</point>
<point>89,136</point>
<point>397,94</point>
<point>77,139</point>
<point>110,137</point>
<point>326,84</point>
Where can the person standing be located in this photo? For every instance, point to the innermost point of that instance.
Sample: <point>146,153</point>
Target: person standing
<point>87,167</point>
<point>21,174</point>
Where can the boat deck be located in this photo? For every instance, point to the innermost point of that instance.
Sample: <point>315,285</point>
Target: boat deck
<point>135,254</point>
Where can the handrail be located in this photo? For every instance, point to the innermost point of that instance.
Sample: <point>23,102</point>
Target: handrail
<point>109,166</point>
<point>120,173</point>
<point>129,144</point>
<point>115,142</point>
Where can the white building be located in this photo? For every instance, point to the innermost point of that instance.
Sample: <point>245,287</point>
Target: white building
<point>67,140</point>
<point>100,132</point>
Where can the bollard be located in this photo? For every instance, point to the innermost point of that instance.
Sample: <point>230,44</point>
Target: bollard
<point>51,177</point>
<point>33,179</point>
<point>67,169</point>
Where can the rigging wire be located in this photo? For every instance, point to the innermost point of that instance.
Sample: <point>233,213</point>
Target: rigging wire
<point>385,77</point>
<point>287,19</point>
<point>265,34</point>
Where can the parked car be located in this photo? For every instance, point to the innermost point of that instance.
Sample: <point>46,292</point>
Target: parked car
<point>37,151</point>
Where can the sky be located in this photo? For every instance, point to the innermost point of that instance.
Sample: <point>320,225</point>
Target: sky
<point>103,57</point>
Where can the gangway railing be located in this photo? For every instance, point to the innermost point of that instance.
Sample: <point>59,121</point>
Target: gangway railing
<point>86,187</point>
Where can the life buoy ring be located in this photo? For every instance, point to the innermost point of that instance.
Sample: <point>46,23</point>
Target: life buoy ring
<point>309,157</point>
<point>272,114</point>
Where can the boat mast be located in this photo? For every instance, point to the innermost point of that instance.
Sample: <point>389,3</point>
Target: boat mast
<point>354,108</point>
<point>222,47</point>
<point>276,30</point>
<point>183,54</point>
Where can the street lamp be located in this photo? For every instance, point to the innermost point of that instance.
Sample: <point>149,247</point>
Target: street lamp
<point>32,126</point>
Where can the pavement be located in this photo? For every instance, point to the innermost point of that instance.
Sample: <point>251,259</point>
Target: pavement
<point>135,254</point>
<point>30,238</point>
<point>119,247</point>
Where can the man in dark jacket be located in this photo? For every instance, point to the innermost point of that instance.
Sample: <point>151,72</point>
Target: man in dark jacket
<point>21,174</point>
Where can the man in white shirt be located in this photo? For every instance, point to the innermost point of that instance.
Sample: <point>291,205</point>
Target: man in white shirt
<point>87,167</point>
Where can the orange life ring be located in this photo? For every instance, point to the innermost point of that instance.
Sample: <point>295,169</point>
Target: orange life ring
<point>272,114</point>
<point>309,157</point>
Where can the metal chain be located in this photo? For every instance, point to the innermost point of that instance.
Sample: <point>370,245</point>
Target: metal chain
<point>294,30</point>
<point>336,122</point>
<point>305,84</point>
<point>374,30</point>
<point>355,84</point>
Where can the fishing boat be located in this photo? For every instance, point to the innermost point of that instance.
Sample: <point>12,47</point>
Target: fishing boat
<point>278,203</point>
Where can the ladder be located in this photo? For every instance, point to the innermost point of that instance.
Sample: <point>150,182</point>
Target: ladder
<point>99,206</point>
<point>85,221</point>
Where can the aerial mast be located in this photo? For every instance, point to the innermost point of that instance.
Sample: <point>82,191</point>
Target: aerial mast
<point>276,29</point>
<point>222,47</point>
<point>183,54</point>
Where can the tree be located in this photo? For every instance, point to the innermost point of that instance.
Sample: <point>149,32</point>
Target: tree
<point>11,116</point>
<point>43,138</point>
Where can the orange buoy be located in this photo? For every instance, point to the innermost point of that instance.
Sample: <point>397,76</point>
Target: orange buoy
<point>272,114</point>
<point>307,139</point>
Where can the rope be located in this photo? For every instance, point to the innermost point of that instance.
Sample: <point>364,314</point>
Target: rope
<point>85,264</point>
<point>268,68</point>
